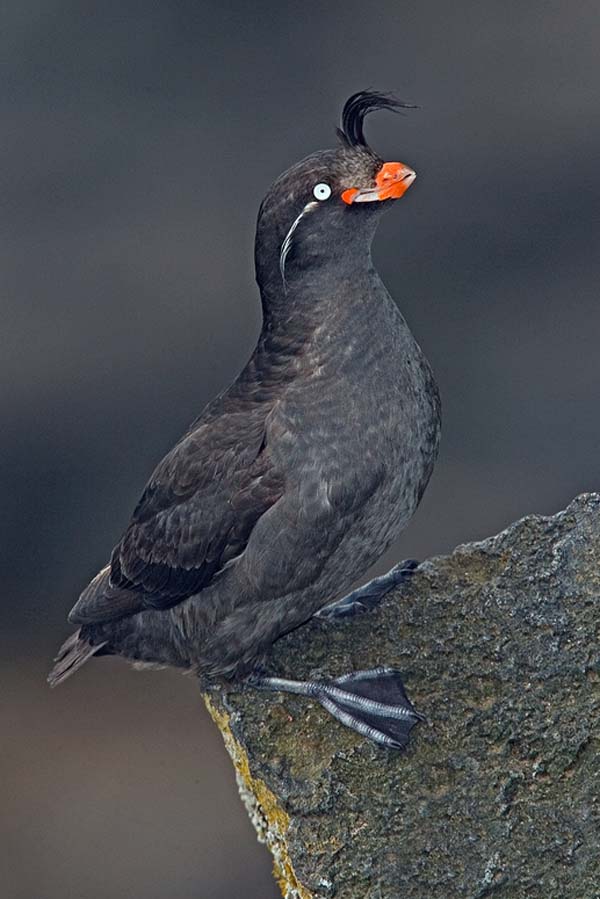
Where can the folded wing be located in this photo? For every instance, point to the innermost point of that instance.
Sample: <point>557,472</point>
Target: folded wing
<point>195,515</point>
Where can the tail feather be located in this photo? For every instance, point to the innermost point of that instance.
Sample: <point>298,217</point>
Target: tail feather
<point>71,656</point>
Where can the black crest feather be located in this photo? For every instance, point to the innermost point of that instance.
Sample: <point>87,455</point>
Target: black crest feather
<point>360,105</point>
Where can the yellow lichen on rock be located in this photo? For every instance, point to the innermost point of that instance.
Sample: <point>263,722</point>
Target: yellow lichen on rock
<point>270,821</point>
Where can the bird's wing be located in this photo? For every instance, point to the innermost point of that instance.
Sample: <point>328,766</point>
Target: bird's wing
<point>195,515</point>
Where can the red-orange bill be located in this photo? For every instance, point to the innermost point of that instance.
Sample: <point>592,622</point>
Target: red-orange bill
<point>392,181</point>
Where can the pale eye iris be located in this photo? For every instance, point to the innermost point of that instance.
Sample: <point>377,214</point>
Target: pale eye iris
<point>322,191</point>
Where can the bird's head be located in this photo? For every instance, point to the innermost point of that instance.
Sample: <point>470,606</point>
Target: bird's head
<point>323,211</point>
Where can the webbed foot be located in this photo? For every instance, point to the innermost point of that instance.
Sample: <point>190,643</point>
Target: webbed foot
<point>373,703</point>
<point>367,597</point>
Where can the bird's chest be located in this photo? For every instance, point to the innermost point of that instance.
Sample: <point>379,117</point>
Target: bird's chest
<point>361,424</point>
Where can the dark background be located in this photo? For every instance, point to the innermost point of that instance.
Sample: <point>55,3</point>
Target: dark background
<point>137,142</point>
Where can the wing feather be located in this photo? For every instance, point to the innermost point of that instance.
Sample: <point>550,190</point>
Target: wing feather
<point>194,517</point>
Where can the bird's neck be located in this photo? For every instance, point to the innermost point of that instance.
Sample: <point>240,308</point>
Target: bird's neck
<point>324,257</point>
<point>328,288</point>
<point>327,314</point>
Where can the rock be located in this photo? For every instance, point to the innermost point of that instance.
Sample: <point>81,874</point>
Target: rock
<point>498,793</point>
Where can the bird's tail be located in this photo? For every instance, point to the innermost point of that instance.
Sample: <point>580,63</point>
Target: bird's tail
<point>71,656</point>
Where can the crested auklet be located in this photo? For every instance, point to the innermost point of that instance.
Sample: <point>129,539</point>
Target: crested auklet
<point>295,479</point>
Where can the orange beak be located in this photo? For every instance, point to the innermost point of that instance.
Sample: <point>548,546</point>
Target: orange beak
<point>392,181</point>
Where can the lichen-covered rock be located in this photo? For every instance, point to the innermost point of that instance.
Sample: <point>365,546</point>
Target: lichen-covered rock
<point>498,793</point>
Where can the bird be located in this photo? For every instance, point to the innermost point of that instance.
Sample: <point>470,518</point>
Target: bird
<point>296,478</point>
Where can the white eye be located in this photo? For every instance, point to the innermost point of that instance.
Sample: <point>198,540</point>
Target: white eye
<point>322,191</point>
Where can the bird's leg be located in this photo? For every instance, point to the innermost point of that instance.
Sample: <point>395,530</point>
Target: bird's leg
<point>373,703</point>
<point>369,595</point>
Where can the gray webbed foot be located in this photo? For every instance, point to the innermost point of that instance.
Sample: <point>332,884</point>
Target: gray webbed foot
<point>367,597</point>
<point>373,703</point>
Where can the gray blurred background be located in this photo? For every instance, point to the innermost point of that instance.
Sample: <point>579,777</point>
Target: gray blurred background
<point>137,142</point>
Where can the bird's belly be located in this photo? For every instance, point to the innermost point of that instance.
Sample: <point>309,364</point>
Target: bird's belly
<point>381,520</point>
<point>228,628</point>
<point>402,444</point>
